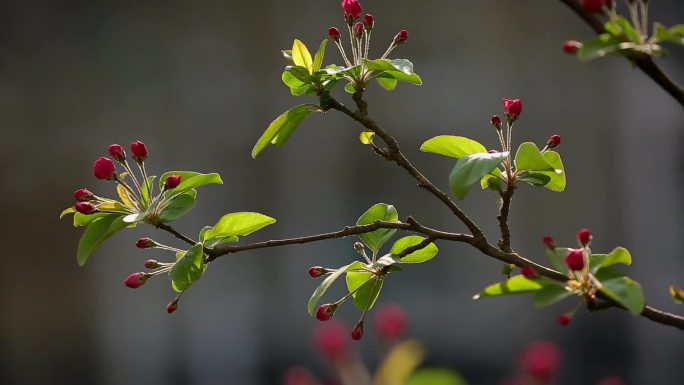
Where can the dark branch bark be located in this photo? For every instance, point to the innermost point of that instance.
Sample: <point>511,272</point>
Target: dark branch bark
<point>644,62</point>
<point>505,241</point>
<point>175,233</point>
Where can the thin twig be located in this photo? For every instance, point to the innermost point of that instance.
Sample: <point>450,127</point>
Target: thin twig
<point>175,233</point>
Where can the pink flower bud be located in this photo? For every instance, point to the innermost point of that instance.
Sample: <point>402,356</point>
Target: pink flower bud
<point>104,169</point>
<point>357,333</point>
<point>331,341</point>
<point>144,243</point>
<point>541,360</point>
<point>593,5</point>
<point>352,9</point>
<point>358,30</point>
<point>317,271</point>
<point>554,141</point>
<point>584,237</point>
<point>564,319</point>
<point>83,195</point>
<point>528,272</point>
<point>391,322</point>
<point>172,306</point>
<point>513,108</point>
<point>571,46</point>
<point>117,152</point>
<point>152,264</point>
<point>496,122</point>
<point>325,312</point>
<point>139,151</point>
<point>172,181</point>
<point>575,260</point>
<point>369,21</point>
<point>136,280</point>
<point>549,242</point>
<point>86,208</point>
<point>401,37</point>
<point>334,33</point>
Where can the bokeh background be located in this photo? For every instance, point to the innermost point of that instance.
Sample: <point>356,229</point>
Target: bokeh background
<point>198,81</point>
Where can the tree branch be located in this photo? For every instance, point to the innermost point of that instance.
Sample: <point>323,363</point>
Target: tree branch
<point>505,241</point>
<point>644,62</point>
<point>175,233</point>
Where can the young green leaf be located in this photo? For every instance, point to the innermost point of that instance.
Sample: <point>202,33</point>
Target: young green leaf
<point>367,286</point>
<point>301,56</point>
<point>188,268</point>
<point>193,182</point>
<point>237,224</point>
<point>419,256</point>
<point>398,69</point>
<point>378,212</point>
<point>673,35</point>
<point>618,255</point>
<point>620,26</point>
<point>185,175</point>
<point>452,146</point>
<point>529,158</point>
<point>178,206</point>
<point>98,231</point>
<point>557,258</point>
<point>557,182</point>
<point>626,292</point>
<point>387,83</point>
<point>471,168</point>
<point>327,282</point>
<point>517,284</point>
<point>677,294</point>
<point>599,46</point>
<point>320,54</point>
<point>550,294</point>
<point>535,179</point>
<point>283,126</point>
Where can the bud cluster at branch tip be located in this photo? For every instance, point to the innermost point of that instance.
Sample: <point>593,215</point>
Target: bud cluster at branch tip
<point>512,108</point>
<point>553,141</point>
<point>326,312</point>
<point>152,264</point>
<point>145,243</point>
<point>564,319</point>
<point>496,122</point>
<point>172,306</point>
<point>352,9</point>
<point>528,272</point>
<point>334,33</point>
<point>317,271</point>
<point>104,169</point>
<point>136,280</point>
<point>571,46</point>
<point>575,259</point>
<point>368,22</point>
<point>584,237</point>
<point>401,37</point>
<point>117,152</point>
<point>83,195</point>
<point>85,208</point>
<point>172,181</point>
<point>357,333</point>
<point>549,242</point>
<point>358,30</point>
<point>139,151</point>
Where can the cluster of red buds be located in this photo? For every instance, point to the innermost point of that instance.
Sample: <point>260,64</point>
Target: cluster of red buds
<point>360,34</point>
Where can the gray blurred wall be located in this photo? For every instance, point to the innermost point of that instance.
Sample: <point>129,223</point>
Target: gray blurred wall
<point>199,81</point>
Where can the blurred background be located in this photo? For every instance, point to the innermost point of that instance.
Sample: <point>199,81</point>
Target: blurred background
<point>198,81</point>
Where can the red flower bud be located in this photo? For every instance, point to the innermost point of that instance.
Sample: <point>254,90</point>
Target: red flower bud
<point>513,108</point>
<point>317,271</point>
<point>492,151</point>
<point>571,46</point>
<point>564,319</point>
<point>369,21</point>
<point>391,322</point>
<point>352,9</point>
<point>554,141</point>
<point>496,122</point>
<point>575,260</point>
<point>152,264</point>
<point>357,333</point>
<point>171,307</point>
<point>136,280</point>
<point>325,312</point>
<point>86,208</point>
<point>584,237</point>
<point>330,340</point>
<point>145,243</point>
<point>540,360</point>
<point>139,151</point>
<point>593,5</point>
<point>104,168</point>
<point>528,272</point>
<point>549,242</point>
<point>117,152</point>
<point>172,181</point>
<point>401,37</point>
<point>83,195</point>
<point>334,33</point>
<point>358,30</point>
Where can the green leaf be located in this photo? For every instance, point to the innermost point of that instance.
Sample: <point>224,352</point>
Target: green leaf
<point>366,137</point>
<point>301,56</point>
<point>193,182</point>
<point>67,211</point>
<point>297,87</point>
<point>618,255</point>
<point>367,286</point>
<point>185,175</point>
<point>238,224</point>
<point>452,146</point>
<point>84,220</point>
<point>327,282</point>
<point>550,294</point>
<point>557,258</point>
<point>517,284</point>
<point>419,256</point>
<point>673,35</point>
<point>144,188</point>
<point>98,231</point>
<point>620,26</point>
<point>398,69</point>
<point>557,182</point>
<point>387,83</point>
<point>435,376</point>
<point>178,206</point>
<point>529,158</point>
<point>491,181</point>
<point>349,88</point>
<point>625,291</point>
<point>471,168</point>
<point>599,46</point>
<point>283,126</point>
<point>378,212</point>
<point>535,179</point>
<point>188,268</point>
<point>677,294</point>
<point>320,54</point>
